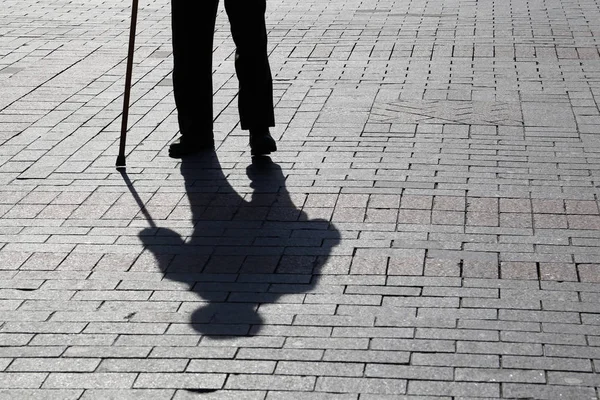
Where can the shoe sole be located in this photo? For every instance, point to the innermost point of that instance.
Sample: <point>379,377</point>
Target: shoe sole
<point>263,147</point>
<point>189,151</point>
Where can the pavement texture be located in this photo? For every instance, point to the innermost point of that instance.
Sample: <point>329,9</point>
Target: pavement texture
<point>428,229</point>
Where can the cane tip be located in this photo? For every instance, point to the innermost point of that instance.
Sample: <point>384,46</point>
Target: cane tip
<point>120,164</point>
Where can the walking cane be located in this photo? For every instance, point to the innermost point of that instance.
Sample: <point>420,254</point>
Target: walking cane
<point>121,157</point>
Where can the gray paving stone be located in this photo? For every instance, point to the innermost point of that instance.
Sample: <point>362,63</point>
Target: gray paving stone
<point>421,301</point>
<point>244,341</point>
<point>220,395</point>
<point>401,397</point>
<point>156,340</point>
<point>472,347</point>
<point>438,346</point>
<point>545,338</point>
<point>572,378</point>
<point>194,381</point>
<point>33,394</point>
<point>423,281</point>
<point>361,385</point>
<point>570,328</point>
<point>271,382</point>
<point>409,321</point>
<point>327,343</point>
<point>456,360</point>
<point>60,339</point>
<point>461,292</point>
<point>106,352</point>
<point>134,394</point>
<point>319,369</point>
<point>22,380</point>
<point>546,363</point>
<point>547,391</point>
<point>142,365</point>
<point>500,325</point>
<point>279,354</point>
<point>192,352</point>
<point>460,313</point>
<point>54,365</point>
<point>377,311</point>
<point>499,375</point>
<point>541,316</point>
<point>359,332</point>
<point>336,321</point>
<point>125,328</point>
<point>367,356</point>
<point>556,350</point>
<point>456,334</point>
<point>31,351</point>
<point>489,390</point>
<point>63,380</point>
<point>273,395</point>
<point>232,366</point>
<point>409,372</point>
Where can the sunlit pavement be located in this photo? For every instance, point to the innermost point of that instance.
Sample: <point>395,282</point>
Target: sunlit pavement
<point>428,229</point>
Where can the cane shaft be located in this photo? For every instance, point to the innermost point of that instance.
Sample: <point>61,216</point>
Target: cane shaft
<point>127,93</point>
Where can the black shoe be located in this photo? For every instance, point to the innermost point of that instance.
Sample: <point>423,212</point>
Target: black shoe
<point>261,142</point>
<point>185,147</point>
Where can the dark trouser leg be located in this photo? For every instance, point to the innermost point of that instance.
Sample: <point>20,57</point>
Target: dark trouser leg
<point>255,101</point>
<point>193,25</point>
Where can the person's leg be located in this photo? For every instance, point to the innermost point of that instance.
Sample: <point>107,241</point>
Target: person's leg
<point>193,24</point>
<point>255,99</point>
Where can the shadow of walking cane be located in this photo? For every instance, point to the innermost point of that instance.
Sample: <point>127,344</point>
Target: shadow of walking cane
<point>244,255</point>
<point>137,198</point>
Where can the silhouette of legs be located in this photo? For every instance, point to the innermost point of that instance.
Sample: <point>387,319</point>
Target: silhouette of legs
<point>193,24</point>
<point>247,19</point>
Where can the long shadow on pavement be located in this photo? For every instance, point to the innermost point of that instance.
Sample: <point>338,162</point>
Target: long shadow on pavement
<point>243,254</point>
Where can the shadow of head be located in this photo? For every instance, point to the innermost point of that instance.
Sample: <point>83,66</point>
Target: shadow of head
<point>249,256</point>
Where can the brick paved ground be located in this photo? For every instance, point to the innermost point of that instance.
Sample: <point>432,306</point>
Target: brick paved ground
<point>429,228</point>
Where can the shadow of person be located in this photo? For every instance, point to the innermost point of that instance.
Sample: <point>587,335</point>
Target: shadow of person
<point>244,253</point>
